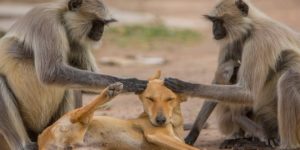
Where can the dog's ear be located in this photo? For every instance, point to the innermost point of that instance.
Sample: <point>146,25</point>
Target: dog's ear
<point>182,97</point>
<point>155,76</point>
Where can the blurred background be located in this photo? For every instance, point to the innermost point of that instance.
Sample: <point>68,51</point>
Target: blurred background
<point>170,35</point>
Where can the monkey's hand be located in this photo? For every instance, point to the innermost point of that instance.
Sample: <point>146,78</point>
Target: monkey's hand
<point>114,89</point>
<point>134,85</point>
<point>179,86</point>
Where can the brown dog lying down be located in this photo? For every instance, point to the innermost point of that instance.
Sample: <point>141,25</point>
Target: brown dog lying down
<point>160,127</point>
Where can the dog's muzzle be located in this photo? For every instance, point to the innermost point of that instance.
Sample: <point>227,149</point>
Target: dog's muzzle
<point>160,119</point>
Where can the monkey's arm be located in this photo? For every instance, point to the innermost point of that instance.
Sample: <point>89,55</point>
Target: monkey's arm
<point>221,93</point>
<point>64,75</point>
<point>52,68</point>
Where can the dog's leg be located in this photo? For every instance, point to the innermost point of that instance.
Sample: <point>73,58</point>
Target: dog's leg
<point>168,142</point>
<point>84,113</point>
<point>167,138</point>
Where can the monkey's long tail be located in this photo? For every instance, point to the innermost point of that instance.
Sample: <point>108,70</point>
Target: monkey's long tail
<point>187,126</point>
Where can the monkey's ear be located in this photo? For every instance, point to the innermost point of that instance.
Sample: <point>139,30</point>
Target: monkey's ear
<point>74,5</point>
<point>242,6</point>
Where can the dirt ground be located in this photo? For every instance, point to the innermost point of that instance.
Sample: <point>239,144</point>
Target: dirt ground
<point>195,63</point>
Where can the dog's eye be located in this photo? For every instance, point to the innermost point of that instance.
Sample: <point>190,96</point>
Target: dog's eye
<point>150,99</point>
<point>170,99</point>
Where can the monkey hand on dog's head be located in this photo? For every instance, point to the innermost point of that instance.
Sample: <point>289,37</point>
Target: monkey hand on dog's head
<point>133,85</point>
<point>179,86</point>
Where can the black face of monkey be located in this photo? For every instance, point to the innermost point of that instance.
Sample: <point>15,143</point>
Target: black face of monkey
<point>98,28</point>
<point>96,10</point>
<point>219,30</point>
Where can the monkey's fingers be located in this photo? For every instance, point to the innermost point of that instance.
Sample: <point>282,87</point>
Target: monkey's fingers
<point>141,87</point>
<point>175,85</point>
<point>134,85</point>
<point>273,142</point>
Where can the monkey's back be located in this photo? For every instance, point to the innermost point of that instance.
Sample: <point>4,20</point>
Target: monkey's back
<point>29,91</point>
<point>264,55</point>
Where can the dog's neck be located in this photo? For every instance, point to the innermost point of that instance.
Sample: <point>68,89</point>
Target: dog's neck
<point>177,122</point>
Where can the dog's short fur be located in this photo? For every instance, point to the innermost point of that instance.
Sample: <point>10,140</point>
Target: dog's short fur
<point>159,127</point>
<point>71,128</point>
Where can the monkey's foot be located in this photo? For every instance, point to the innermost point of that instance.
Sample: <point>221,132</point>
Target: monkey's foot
<point>273,142</point>
<point>244,144</point>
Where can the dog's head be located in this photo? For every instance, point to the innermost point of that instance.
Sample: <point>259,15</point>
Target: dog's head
<point>159,102</point>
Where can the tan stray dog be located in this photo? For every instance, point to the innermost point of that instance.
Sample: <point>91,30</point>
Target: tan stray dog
<point>160,127</point>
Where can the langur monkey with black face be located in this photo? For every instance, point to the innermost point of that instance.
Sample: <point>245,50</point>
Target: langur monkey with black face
<point>229,116</point>
<point>269,75</point>
<point>45,56</point>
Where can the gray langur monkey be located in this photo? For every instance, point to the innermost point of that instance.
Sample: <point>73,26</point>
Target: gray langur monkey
<point>269,75</point>
<point>45,57</point>
<point>228,64</point>
<point>229,116</point>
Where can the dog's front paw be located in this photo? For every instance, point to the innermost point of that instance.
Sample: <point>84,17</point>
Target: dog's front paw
<point>114,89</point>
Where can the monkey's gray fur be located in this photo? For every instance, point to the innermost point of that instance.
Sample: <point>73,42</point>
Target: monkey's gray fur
<point>45,56</point>
<point>269,75</point>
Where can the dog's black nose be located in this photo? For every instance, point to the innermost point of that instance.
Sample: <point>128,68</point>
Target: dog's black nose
<point>160,119</point>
